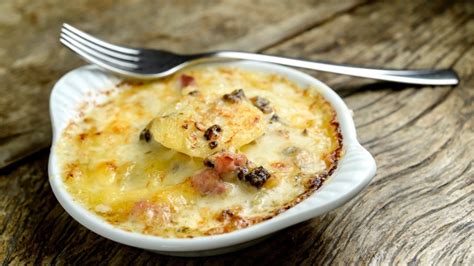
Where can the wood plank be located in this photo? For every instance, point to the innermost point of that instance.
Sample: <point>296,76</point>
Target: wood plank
<point>418,209</point>
<point>423,191</point>
<point>28,71</point>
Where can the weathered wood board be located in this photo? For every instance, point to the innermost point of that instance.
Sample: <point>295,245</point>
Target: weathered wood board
<point>418,209</point>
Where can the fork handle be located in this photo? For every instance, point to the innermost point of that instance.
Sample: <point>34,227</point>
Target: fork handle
<point>421,77</point>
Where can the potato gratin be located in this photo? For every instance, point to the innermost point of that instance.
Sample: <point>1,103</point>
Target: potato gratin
<point>206,151</point>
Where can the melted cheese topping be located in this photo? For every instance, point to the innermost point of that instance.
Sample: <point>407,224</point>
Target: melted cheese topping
<point>181,126</point>
<point>145,186</point>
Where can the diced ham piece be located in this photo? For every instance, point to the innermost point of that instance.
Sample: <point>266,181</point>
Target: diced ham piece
<point>208,182</point>
<point>186,80</point>
<point>227,162</point>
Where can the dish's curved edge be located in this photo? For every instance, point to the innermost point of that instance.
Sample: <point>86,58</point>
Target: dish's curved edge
<point>354,172</point>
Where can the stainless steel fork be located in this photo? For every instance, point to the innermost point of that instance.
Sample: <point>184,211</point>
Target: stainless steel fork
<point>150,64</point>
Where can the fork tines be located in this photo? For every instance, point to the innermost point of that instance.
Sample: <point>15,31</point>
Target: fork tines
<point>104,54</point>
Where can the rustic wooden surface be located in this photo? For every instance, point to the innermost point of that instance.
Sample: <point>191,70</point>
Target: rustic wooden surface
<point>417,210</point>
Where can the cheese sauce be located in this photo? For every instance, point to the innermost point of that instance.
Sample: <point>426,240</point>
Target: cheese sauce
<point>145,187</point>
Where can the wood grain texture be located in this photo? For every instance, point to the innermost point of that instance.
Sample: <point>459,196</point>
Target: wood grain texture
<point>418,209</point>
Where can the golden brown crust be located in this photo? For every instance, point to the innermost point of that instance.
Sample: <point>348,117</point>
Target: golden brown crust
<point>292,172</point>
<point>234,222</point>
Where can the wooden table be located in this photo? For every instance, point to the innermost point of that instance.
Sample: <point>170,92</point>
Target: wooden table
<point>418,208</point>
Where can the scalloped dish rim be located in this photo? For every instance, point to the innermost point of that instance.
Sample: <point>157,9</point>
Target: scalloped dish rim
<point>355,169</point>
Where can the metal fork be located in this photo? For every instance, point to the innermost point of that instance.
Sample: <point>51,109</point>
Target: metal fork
<point>150,64</point>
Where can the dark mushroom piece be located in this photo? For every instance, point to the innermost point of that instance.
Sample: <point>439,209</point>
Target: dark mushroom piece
<point>275,118</point>
<point>213,144</point>
<point>262,104</point>
<point>145,135</point>
<point>235,96</point>
<point>242,172</point>
<point>257,177</point>
<point>207,162</point>
<point>194,93</point>
<point>213,132</point>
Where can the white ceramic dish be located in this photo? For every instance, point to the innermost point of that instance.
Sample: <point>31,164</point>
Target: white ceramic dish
<point>354,172</point>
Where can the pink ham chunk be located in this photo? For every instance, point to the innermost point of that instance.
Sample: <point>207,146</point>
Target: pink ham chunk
<point>208,182</point>
<point>227,162</point>
<point>186,80</point>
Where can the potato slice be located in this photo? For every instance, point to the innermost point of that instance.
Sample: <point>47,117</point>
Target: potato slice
<point>182,127</point>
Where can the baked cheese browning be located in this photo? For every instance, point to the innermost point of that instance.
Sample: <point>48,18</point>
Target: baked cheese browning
<point>276,143</point>
<point>181,127</point>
